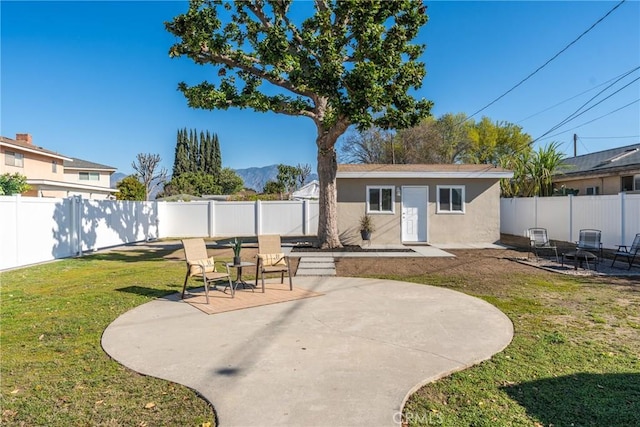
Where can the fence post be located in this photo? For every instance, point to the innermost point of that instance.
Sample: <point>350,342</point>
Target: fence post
<point>535,211</point>
<point>18,207</point>
<point>212,218</point>
<point>623,231</point>
<point>258,219</point>
<point>305,217</point>
<point>570,196</point>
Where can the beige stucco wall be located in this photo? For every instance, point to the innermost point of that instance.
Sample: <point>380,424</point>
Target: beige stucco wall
<point>36,166</point>
<point>608,184</point>
<point>479,223</point>
<point>73,175</point>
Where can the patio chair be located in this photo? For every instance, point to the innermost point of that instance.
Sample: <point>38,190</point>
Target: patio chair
<point>200,264</point>
<point>271,259</point>
<point>628,253</point>
<point>590,241</point>
<point>538,240</point>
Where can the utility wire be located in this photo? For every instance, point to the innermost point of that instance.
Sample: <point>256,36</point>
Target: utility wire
<point>575,114</point>
<point>546,63</point>
<point>573,97</point>
<point>597,118</point>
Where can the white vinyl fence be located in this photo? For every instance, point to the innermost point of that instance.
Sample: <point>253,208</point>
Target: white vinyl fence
<point>617,216</point>
<point>35,230</point>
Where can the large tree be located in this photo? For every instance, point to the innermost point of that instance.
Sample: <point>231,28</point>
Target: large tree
<point>349,63</point>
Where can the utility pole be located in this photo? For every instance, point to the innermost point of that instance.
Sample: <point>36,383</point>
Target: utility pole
<point>575,144</point>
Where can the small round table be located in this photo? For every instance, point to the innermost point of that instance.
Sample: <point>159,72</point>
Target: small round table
<point>239,280</point>
<point>579,256</point>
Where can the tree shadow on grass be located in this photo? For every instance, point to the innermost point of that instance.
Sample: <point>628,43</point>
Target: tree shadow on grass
<point>147,292</point>
<point>581,399</point>
<point>133,255</point>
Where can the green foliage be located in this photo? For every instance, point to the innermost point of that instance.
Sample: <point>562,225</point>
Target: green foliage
<point>287,177</point>
<point>194,183</point>
<point>229,181</point>
<point>273,187</point>
<point>236,245</point>
<point>130,188</point>
<point>355,56</point>
<point>198,154</point>
<point>13,184</point>
<point>490,142</point>
<point>541,167</point>
<point>349,63</point>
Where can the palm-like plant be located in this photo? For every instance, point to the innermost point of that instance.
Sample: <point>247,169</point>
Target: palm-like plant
<point>543,164</point>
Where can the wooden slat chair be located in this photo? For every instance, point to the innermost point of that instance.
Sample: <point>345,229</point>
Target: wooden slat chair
<point>628,253</point>
<point>538,240</point>
<point>271,259</point>
<point>200,264</point>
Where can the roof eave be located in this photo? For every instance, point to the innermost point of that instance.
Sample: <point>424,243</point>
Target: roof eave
<point>425,175</point>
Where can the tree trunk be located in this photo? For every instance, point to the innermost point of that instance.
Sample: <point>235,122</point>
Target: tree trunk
<point>328,236</point>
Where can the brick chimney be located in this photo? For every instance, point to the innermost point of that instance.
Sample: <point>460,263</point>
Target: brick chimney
<point>24,137</point>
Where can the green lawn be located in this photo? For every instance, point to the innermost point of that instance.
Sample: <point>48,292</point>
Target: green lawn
<point>574,360</point>
<point>54,371</point>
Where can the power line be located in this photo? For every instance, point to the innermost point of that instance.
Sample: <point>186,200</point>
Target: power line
<point>610,137</point>
<point>575,114</point>
<point>575,96</point>
<point>593,120</point>
<point>546,63</point>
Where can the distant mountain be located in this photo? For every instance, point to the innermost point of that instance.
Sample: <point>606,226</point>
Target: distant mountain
<point>115,178</point>
<point>256,178</point>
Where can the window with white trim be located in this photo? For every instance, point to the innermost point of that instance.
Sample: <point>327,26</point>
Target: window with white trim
<point>593,191</point>
<point>89,176</point>
<point>54,166</point>
<point>630,183</point>
<point>450,199</point>
<point>380,199</point>
<point>14,159</point>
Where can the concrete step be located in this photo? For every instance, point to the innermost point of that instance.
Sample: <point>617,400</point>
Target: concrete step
<point>316,266</point>
<point>316,272</point>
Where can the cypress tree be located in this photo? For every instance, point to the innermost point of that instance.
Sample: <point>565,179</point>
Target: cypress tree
<point>216,156</point>
<point>181,161</point>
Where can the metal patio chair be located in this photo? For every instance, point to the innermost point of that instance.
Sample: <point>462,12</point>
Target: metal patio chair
<point>590,241</point>
<point>538,240</point>
<point>628,253</point>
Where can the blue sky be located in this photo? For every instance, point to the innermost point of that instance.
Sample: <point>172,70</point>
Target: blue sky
<point>93,80</point>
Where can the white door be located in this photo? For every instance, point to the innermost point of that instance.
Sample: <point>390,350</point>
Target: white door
<point>414,213</point>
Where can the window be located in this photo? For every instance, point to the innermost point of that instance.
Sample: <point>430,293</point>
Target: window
<point>380,199</point>
<point>630,183</point>
<point>14,159</point>
<point>89,176</point>
<point>54,166</point>
<point>592,191</point>
<point>450,199</point>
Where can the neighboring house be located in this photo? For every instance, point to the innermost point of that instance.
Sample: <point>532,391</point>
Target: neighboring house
<point>310,191</point>
<point>445,203</point>
<point>604,172</point>
<point>51,174</point>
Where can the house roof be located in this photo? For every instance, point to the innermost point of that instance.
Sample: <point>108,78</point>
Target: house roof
<point>607,161</point>
<point>309,191</point>
<point>25,146</point>
<point>75,164</point>
<point>421,171</point>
